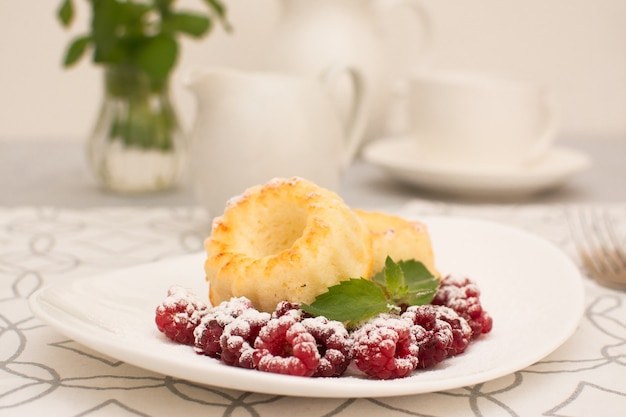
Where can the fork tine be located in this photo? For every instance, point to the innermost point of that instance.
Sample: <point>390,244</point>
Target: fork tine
<point>606,249</point>
<point>579,228</point>
<point>599,248</point>
<point>617,250</point>
<point>601,252</point>
<point>593,253</point>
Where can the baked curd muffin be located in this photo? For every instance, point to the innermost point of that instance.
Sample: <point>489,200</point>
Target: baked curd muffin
<point>286,240</point>
<point>398,238</point>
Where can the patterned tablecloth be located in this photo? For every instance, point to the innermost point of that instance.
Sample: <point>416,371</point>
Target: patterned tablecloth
<point>44,373</point>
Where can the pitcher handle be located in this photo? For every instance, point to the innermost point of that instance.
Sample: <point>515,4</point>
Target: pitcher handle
<point>356,120</point>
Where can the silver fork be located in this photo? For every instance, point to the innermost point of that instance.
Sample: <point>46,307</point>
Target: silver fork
<point>600,250</point>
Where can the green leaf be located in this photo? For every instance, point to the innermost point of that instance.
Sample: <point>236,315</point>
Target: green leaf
<point>76,50</point>
<point>141,33</point>
<point>393,277</point>
<point>399,284</point>
<point>192,24</point>
<point>217,7</point>
<point>163,6</point>
<point>414,272</point>
<point>66,12</point>
<point>157,56</point>
<point>107,16</point>
<point>421,284</point>
<point>421,297</point>
<point>220,11</point>
<point>349,301</point>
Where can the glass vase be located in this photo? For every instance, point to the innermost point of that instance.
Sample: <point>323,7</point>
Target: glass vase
<point>137,144</point>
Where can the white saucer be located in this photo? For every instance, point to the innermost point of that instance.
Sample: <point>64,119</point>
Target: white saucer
<point>400,157</point>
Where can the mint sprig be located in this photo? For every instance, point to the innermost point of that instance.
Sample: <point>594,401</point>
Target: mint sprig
<point>349,300</point>
<point>140,33</point>
<point>407,282</point>
<point>397,286</point>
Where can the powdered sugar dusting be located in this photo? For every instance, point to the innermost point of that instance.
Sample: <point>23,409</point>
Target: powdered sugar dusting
<point>246,321</point>
<point>322,325</point>
<point>389,234</point>
<point>278,181</point>
<point>178,295</point>
<point>418,227</point>
<point>225,312</point>
<point>181,298</point>
<point>236,199</point>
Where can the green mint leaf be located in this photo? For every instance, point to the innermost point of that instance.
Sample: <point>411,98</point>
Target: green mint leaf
<point>350,301</point>
<point>414,285</point>
<point>66,12</point>
<point>421,284</point>
<point>157,56</point>
<point>415,274</point>
<point>107,19</point>
<point>220,10</point>
<point>76,50</point>
<point>394,277</point>
<point>399,284</point>
<point>419,298</point>
<point>217,7</point>
<point>192,24</point>
<point>379,278</point>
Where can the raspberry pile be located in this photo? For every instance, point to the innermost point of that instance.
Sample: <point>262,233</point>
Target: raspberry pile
<point>289,341</point>
<point>462,295</point>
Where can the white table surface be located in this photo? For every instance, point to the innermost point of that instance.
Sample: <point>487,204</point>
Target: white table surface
<point>49,172</point>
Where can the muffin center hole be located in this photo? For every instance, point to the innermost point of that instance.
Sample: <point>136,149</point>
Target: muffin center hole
<point>277,230</point>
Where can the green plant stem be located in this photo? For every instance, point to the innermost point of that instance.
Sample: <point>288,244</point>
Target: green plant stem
<point>142,114</point>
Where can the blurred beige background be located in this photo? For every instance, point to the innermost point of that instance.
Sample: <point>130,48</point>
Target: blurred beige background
<point>575,47</point>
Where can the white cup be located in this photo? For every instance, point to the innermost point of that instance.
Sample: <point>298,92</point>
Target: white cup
<point>478,121</point>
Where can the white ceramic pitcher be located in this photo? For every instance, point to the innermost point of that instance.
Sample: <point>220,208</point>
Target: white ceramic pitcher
<point>313,34</point>
<point>254,126</point>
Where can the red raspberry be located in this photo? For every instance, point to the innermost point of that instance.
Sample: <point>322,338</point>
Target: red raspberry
<point>286,307</point>
<point>385,348</point>
<point>334,345</point>
<point>285,347</point>
<point>462,295</point>
<point>433,336</point>
<point>207,334</point>
<point>179,314</point>
<point>461,330</point>
<point>238,338</point>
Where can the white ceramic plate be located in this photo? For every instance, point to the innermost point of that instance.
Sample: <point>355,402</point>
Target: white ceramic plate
<point>400,157</point>
<point>532,290</point>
